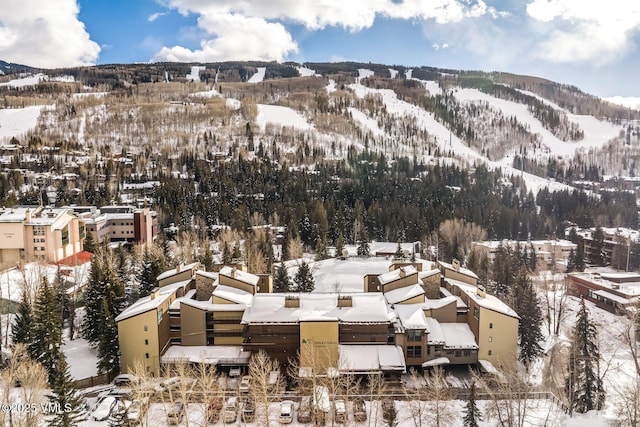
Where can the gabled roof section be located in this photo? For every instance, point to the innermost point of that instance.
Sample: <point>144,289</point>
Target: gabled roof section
<point>462,270</point>
<point>402,294</point>
<point>151,303</point>
<point>240,275</point>
<point>397,274</point>
<point>235,295</point>
<point>489,302</point>
<point>176,270</point>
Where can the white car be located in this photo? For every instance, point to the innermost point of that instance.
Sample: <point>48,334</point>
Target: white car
<point>286,412</point>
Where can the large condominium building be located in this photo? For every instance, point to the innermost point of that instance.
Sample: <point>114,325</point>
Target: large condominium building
<point>403,318</point>
<point>36,232</point>
<point>119,224</point>
<point>551,253</point>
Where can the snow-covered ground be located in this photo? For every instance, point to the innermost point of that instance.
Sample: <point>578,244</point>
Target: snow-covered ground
<point>17,121</point>
<point>81,357</point>
<point>596,132</point>
<point>195,73</point>
<point>307,72</point>
<point>258,76</point>
<point>365,122</point>
<point>283,116</point>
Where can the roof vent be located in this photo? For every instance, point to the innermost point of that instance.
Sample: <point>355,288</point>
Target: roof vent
<point>455,264</point>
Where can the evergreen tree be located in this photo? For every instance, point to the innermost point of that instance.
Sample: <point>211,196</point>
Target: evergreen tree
<point>89,244</point>
<point>530,326</point>
<point>571,262</point>
<point>65,396</point>
<point>303,278</point>
<point>579,259</point>
<point>281,280</point>
<point>21,329</point>
<point>207,258</point>
<point>47,329</point>
<point>108,345</point>
<point>472,415</point>
<point>148,274</point>
<point>93,298</point>
<point>62,296</point>
<point>364,249</point>
<point>322,252</point>
<point>583,384</point>
<point>285,247</point>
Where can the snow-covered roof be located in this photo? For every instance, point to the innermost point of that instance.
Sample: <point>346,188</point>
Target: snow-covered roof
<point>235,295</point>
<point>209,306</point>
<point>402,294</point>
<point>210,354</point>
<point>429,273</point>
<point>462,270</point>
<point>175,271</point>
<point>436,362</point>
<point>441,302</point>
<point>458,335</point>
<point>411,316</point>
<point>240,275</point>
<point>396,274</point>
<point>372,358</point>
<point>489,302</point>
<point>175,305</point>
<point>150,303</point>
<point>365,308</point>
<point>459,303</point>
<point>435,331</point>
<point>207,274</point>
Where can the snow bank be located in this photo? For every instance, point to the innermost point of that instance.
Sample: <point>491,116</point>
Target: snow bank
<point>306,72</point>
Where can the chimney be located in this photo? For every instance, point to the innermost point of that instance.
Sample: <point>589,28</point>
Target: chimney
<point>402,272</point>
<point>27,216</point>
<point>482,293</point>
<point>456,265</point>
<point>178,267</point>
<point>155,292</point>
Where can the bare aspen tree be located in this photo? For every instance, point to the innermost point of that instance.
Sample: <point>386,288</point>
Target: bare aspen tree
<point>207,387</point>
<point>260,367</point>
<point>438,395</point>
<point>415,393</point>
<point>140,391</point>
<point>376,389</point>
<point>32,378</point>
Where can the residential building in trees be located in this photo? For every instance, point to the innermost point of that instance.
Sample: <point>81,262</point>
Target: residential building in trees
<point>386,328</point>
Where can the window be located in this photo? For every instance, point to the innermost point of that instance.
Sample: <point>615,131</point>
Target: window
<point>38,230</point>
<point>476,313</point>
<point>146,355</point>
<point>414,351</point>
<point>146,328</point>
<point>490,325</point>
<point>489,353</point>
<point>146,342</point>
<point>490,339</point>
<point>414,334</point>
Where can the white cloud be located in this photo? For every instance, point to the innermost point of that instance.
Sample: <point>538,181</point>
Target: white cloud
<point>585,31</point>
<point>44,33</point>
<point>156,15</point>
<point>237,38</point>
<point>229,21</point>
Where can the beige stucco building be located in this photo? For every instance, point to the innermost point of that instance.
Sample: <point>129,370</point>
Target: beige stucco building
<point>223,317</point>
<point>38,233</point>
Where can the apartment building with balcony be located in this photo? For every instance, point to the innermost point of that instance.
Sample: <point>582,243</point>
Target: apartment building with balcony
<point>382,331</point>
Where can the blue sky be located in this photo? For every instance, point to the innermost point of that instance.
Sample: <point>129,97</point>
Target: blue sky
<point>587,43</point>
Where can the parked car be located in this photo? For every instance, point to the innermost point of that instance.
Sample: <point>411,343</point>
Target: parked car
<point>125,380</point>
<point>339,411</point>
<point>245,384</point>
<point>286,412</point>
<point>359,410</point>
<point>248,413</point>
<point>305,410</point>
<point>230,411</point>
<point>175,413</point>
<point>214,408</point>
<point>234,372</point>
<point>168,384</point>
